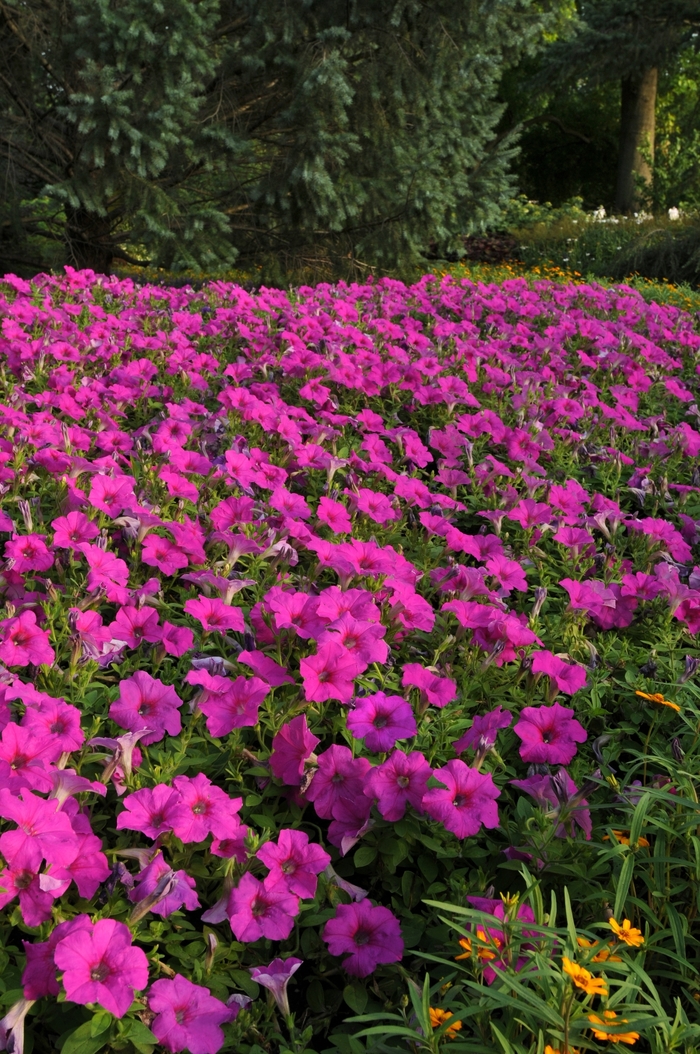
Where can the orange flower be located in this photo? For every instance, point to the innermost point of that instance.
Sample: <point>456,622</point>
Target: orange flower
<point>658,698</point>
<point>626,932</point>
<point>555,1050</point>
<point>584,979</point>
<point>483,953</point>
<point>623,839</point>
<point>602,955</point>
<point>611,1019</point>
<point>439,1017</point>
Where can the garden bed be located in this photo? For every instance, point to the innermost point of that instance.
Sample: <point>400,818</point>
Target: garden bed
<point>349,645</point>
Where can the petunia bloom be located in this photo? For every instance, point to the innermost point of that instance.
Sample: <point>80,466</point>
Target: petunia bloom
<point>399,781</point>
<point>275,978</point>
<point>467,802</point>
<point>100,965</point>
<point>380,720</point>
<point>188,1017</point>
<point>485,727</point>
<point>371,935</point>
<point>145,702</point>
<point>291,748</point>
<point>261,909</point>
<point>549,734</point>
<point>294,862</point>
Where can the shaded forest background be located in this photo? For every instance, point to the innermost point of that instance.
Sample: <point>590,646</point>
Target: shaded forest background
<point>336,135</point>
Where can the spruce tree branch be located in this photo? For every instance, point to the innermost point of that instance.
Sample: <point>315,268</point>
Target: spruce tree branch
<point>556,120</point>
<point>14,28</point>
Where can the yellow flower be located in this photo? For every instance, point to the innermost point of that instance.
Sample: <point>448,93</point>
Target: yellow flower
<point>439,1017</point>
<point>611,1019</point>
<point>623,839</point>
<point>483,953</point>
<point>555,1050</point>
<point>658,698</point>
<point>584,979</point>
<point>627,933</point>
<point>603,955</point>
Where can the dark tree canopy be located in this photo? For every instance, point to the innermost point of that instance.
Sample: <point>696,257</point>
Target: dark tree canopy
<point>195,132</point>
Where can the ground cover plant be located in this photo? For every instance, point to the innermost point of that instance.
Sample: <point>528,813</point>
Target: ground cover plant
<point>348,650</point>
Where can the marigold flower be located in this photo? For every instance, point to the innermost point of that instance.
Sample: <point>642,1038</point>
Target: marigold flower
<point>626,932</point>
<point>611,1018</point>
<point>439,1017</point>
<point>583,978</point>
<point>658,698</point>
<point>623,839</point>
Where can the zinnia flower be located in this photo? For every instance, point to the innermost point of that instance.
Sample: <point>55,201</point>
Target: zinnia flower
<point>438,1018</point>
<point>658,698</point>
<point>583,978</point>
<point>626,932</point>
<point>611,1018</point>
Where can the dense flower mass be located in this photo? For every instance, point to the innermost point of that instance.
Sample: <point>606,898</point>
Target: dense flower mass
<point>295,587</point>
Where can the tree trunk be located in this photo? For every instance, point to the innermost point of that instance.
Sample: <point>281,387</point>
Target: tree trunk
<point>88,241</point>
<point>637,126</point>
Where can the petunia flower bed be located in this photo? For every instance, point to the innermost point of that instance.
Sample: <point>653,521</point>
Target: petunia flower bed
<point>348,656</point>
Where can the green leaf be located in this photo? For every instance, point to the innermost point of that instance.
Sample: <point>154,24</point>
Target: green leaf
<point>142,1037</point>
<point>83,1042</point>
<point>623,885</point>
<point>100,1023</point>
<point>355,995</point>
<point>365,855</point>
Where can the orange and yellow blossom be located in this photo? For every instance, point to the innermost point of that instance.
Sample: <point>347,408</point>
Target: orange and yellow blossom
<point>583,978</point>
<point>483,953</point>
<point>611,1018</point>
<point>601,956</point>
<point>658,698</point>
<point>623,839</point>
<point>626,932</point>
<point>439,1017</point>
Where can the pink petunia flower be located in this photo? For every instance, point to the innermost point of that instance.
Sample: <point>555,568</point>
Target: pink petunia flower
<point>176,640</point>
<point>371,935</point>
<point>43,830</point>
<point>335,515</point>
<point>399,781</point>
<point>214,615</point>
<point>236,708</point>
<point>101,966</point>
<point>21,879</point>
<point>549,734</point>
<point>188,1017</point>
<point>339,777</point>
<point>152,811</point>
<point>565,676</point>
<point>161,890</point>
<point>145,702</point>
<point>134,625</point>
<point>437,691</point>
<point>39,975</point>
<point>275,978</point>
<point>291,748</point>
<point>485,727</point>
<point>330,674</point>
<point>467,802</point>
<point>24,642</point>
<point>28,552</point>
<point>163,554</point>
<point>363,639</point>
<point>266,668</point>
<point>111,495</point>
<point>57,723</point>
<point>261,909</point>
<point>380,720</point>
<point>294,862</point>
<point>204,809</point>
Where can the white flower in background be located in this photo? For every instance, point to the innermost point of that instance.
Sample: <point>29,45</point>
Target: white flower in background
<point>673,213</point>
<point>599,214</point>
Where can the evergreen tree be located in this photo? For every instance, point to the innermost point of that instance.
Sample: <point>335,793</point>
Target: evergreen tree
<point>190,131</point>
<point>627,41</point>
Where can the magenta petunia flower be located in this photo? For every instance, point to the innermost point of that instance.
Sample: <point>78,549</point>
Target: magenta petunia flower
<point>567,677</point>
<point>330,674</point>
<point>145,702</point>
<point>176,640</point>
<point>294,862</point>
<point>291,748</point>
<point>467,802</point>
<point>57,723</point>
<point>399,781</point>
<point>111,495</point>
<point>39,975</point>
<point>153,811</point>
<point>296,612</point>
<point>275,978</point>
<point>261,909</point>
<point>265,668</point>
<point>214,615</point>
<point>162,890</point>
<point>549,734</point>
<point>24,642</point>
<point>28,552</point>
<point>561,792</point>
<point>188,1017</point>
<point>363,639</point>
<point>485,727</point>
<point>371,935</point>
<point>335,515</point>
<point>203,809</point>
<point>236,708</point>
<point>134,625</point>
<point>101,966</point>
<point>437,691</point>
<point>43,832</point>
<point>163,554</point>
<point>380,720</point>
<point>338,777</point>
<point>20,879</point>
